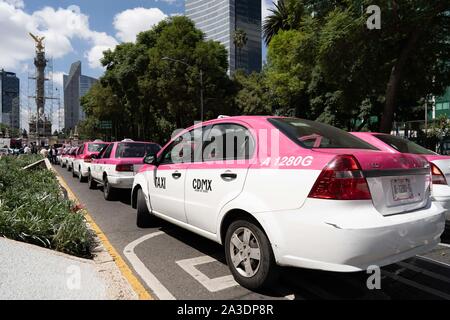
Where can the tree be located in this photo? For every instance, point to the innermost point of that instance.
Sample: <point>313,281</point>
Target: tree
<point>285,16</point>
<point>331,67</point>
<point>240,41</point>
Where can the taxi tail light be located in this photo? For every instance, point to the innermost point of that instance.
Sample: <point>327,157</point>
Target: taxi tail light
<point>87,159</point>
<point>437,177</point>
<point>124,168</point>
<point>341,179</point>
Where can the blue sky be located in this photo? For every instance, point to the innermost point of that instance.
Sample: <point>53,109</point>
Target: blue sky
<point>74,30</point>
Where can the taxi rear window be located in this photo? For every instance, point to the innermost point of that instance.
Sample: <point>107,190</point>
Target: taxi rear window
<point>403,145</point>
<point>96,147</point>
<point>136,150</point>
<point>315,135</point>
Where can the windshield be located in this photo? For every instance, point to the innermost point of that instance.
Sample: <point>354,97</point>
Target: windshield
<point>316,135</point>
<point>403,145</point>
<point>136,150</point>
<point>96,147</point>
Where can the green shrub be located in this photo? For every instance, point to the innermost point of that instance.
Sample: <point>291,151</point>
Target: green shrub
<point>33,210</point>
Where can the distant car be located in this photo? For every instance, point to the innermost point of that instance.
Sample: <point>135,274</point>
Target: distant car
<point>117,164</point>
<point>290,192</point>
<point>440,165</point>
<point>83,159</point>
<point>63,157</point>
<point>59,154</point>
<point>70,157</point>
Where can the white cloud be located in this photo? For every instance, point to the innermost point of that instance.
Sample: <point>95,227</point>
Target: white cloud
<point>130,22</point>
<point>59,26</point>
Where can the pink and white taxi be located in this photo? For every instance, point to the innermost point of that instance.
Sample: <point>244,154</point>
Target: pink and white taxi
<point>116,165</point>
<point>440,165</point>
<point>289,192</point>
<point>83,158</point>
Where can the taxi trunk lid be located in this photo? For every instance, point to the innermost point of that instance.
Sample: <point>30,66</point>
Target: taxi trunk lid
<point>398,183</point>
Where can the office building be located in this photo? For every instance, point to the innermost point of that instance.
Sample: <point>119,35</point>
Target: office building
<point>219,19</point>
<point>9,99</point>
<point>76,85</point>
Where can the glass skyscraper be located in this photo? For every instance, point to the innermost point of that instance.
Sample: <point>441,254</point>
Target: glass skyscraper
<point>9,99</point>
<point>219,19</point>
<point>76,86</point>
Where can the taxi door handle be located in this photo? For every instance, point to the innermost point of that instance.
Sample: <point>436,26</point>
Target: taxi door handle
<point>228,176</point>
<point>176,175</point>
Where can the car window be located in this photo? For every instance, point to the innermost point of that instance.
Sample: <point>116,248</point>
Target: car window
<point>228,142</point>
<point>315,135</point>
<point>403,145</point>
<point>96,147</point>
<point>107,153</point>
<point>136,149</point>
<point>81,149</point>
<point>183,149</point>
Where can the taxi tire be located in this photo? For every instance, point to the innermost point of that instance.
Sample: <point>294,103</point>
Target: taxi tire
<point>74,175</point>
<point>268,272</point>
<point>80,176</point>
<point>108,191</point>
<point>144,218</point>
<point>92,184</point>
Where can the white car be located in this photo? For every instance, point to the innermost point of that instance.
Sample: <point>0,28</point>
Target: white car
<point>115,166</point>
<point>288,192</point>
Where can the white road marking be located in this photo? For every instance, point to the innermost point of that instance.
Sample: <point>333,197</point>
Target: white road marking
<point>212,285</point>
<point>444,245</point>
<point>433,260</point>
<point>149,278</point>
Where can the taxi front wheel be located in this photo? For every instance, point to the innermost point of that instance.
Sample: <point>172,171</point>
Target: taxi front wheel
<point>249,255</point>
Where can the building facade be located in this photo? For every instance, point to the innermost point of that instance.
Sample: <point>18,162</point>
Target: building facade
<point>76,86</point>
<point>9,99</point>
<point>219,20</point>
<point>442,105</point>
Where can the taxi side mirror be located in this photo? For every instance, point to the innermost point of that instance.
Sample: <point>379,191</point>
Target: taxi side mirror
<point>150,159</point>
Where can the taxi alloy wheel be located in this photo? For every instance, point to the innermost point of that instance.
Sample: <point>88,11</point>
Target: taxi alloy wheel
<point>91,183</point>
<point>144,217</point>
<point>249,255</point>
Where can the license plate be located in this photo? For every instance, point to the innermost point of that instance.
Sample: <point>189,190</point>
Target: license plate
<point>401,189</point>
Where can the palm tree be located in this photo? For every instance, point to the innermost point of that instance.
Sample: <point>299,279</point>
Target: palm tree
<point>240,41</point>
<point>276,21</point>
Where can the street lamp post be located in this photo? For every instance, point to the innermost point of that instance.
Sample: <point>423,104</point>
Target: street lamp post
<point>201,81</point>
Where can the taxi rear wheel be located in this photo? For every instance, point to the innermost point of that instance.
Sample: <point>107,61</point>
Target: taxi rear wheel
<point>144,218</point>
<point>91,183</point>
<point>80,175</point>
<point>249,255</point>
<point>108,191</point>
<point>73,173</point>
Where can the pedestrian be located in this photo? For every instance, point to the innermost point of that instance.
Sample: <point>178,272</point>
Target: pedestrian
<point>54,153</point>
<point>27,150</point>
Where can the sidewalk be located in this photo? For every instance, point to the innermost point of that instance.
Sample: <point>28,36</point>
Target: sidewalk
<point>30,272</point>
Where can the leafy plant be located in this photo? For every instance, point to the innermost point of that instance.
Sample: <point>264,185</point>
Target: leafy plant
<point>33,210</point>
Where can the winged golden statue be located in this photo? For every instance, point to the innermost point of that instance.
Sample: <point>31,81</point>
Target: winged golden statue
<point>39,42</point>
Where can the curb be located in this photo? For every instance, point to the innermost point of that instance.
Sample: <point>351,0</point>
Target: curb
<point>106,252</point>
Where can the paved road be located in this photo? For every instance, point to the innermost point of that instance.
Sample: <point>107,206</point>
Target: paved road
<point>176,264</point>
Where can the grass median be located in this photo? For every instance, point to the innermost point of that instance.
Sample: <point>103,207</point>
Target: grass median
<point>33,209</point>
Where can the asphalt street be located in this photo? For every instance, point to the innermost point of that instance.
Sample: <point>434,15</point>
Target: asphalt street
<point>176,264</point>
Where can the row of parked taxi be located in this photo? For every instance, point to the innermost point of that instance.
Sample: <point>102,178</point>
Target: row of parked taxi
<point>278,191</point>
